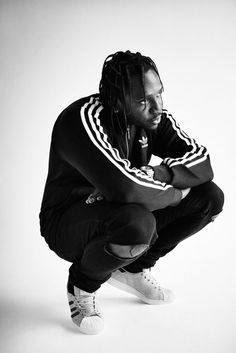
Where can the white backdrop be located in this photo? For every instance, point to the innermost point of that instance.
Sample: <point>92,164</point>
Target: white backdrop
<point>52,54</point>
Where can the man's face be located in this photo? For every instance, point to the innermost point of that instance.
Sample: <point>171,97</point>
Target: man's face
<point>145,110</point>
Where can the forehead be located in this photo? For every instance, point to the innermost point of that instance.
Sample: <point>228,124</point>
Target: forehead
<point>151,85</point>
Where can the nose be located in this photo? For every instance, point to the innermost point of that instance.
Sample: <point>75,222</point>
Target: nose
<point>156,105</point>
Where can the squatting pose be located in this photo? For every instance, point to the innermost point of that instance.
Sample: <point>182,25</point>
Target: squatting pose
<point>105,209</point>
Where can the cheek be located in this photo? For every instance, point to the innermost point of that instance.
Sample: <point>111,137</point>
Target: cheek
<point>142,114</point>
<point>138,115</point>
<point>140,118</point>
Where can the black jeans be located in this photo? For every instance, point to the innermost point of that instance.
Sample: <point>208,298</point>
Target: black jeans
<point>84,231</point>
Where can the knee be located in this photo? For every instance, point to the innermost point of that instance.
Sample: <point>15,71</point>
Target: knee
<point>127,251</point>
<point>133,224</point>
<point>214,197</point>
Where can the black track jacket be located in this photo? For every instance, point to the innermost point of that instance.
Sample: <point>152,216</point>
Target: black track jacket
<point>88,152</point>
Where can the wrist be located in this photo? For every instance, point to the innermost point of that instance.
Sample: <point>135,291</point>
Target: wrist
<point>147,169</point>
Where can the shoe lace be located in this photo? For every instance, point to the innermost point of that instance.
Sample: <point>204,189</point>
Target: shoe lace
<point>146,273</point>
<point>87,305</point>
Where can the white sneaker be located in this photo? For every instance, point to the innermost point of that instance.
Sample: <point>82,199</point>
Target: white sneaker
<point>85,311</point>
<point>143,285</point>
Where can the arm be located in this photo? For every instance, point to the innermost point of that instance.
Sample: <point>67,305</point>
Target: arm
<point>185,163</point>
<point>80,139</point>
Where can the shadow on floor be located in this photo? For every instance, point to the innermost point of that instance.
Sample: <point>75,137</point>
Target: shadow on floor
<point>19,317</point>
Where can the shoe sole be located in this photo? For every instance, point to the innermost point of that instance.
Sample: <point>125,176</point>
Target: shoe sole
<point>128,289</point>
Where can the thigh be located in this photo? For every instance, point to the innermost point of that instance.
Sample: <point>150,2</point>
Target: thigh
<point>206,200</point>
<point>124,224</point>
<point>78,225</point>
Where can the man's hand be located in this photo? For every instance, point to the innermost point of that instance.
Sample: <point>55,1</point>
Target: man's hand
<point>185,192</point>
<point>95,196</point>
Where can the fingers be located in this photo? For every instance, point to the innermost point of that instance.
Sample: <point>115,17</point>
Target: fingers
<point>94,197</point>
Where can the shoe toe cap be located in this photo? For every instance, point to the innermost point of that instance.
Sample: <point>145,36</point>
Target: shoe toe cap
<point>92,325</point>
<point>169,296</point>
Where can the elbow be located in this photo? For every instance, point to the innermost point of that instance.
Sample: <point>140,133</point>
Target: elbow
<point>125,195</point>
<point>134,194</point>
<point>204,177</point>
<point>130,197</point>
<point>209,175</point>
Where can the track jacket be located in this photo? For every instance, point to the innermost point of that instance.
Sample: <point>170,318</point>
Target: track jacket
<point>89,152</point>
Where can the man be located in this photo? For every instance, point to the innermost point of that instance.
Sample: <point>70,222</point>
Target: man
<point>105,209</point>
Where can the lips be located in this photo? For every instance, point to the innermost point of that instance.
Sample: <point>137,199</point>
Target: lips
<point>156,119</point>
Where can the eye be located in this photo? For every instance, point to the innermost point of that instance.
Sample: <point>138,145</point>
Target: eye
<point>143,102</point>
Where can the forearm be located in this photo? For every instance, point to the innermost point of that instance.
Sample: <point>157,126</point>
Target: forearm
<point>185,163</point>
<point>182,177</point>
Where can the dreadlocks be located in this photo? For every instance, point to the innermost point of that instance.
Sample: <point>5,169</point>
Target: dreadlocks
<point>115,84</point>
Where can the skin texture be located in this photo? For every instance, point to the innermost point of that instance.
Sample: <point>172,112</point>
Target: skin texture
<point>127,251</point>
<point>145,110</point>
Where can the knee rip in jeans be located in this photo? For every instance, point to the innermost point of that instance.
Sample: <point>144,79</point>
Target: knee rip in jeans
<point>127,251</point>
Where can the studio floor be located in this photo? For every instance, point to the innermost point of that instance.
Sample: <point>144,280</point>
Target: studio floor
<point>35,314</point>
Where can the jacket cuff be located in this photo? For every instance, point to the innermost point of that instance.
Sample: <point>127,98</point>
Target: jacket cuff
<point>162,173</point>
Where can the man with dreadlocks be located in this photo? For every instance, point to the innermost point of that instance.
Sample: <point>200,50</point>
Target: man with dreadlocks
<point>105,209</point>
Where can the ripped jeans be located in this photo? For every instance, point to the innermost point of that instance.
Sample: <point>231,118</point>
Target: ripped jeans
<point>86,231</point>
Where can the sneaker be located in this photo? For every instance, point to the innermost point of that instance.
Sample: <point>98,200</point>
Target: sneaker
<point>85,311</point>
<point>143,285</point>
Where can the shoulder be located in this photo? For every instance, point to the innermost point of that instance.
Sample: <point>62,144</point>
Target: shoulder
<point>76,106</point>
<point>78,119</point>
<point>79,109</point>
